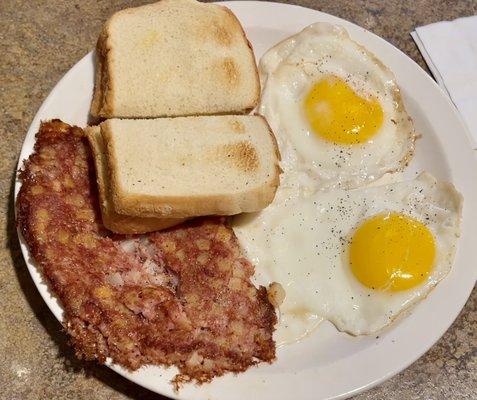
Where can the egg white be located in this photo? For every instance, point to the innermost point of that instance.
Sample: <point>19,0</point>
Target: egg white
<point>303,244</point>
<point>289,70</point>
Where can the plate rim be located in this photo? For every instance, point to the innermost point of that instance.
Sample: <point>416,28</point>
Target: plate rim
<point>49,298</point>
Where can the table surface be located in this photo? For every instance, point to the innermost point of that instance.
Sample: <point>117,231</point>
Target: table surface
<point>39,41</point>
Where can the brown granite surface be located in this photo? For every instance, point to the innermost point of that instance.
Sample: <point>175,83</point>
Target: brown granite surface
<point>39,41</point>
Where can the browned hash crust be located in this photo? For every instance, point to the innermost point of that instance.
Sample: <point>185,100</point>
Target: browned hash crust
<point>180,297</point>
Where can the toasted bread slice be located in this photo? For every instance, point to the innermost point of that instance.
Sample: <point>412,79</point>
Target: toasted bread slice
<point>171,58</point>
<point>111,219</point>
<point>191,166</point>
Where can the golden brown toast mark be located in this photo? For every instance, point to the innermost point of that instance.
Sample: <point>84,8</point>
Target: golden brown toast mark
<point>237,126</point>
<point>243,155</point>
<point>221,34</point>
<point>229,71</point>
<point>219,31</point>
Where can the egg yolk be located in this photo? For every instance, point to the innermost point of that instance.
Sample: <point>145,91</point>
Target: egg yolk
<point>392,252</point>
<point>336,113</point>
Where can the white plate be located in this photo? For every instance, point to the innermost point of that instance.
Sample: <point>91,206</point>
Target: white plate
<point>328,364</point>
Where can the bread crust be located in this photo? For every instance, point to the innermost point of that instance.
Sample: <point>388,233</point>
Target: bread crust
<point>102,104</point>
<point>251,200</point>
<point>188,207</point>
<point>112,220</point>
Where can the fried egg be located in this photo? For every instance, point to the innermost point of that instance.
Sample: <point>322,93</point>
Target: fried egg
<point>335,108</point>
<point>357,258</point>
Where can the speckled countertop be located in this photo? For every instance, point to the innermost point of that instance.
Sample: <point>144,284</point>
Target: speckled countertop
<point>39,41</point>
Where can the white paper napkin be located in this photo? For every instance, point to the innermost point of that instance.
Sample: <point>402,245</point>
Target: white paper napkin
<point>450,51</point>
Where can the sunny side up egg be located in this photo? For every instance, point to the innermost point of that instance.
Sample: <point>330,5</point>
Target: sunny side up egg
<point>357,258</point>
<point>335,108</point>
